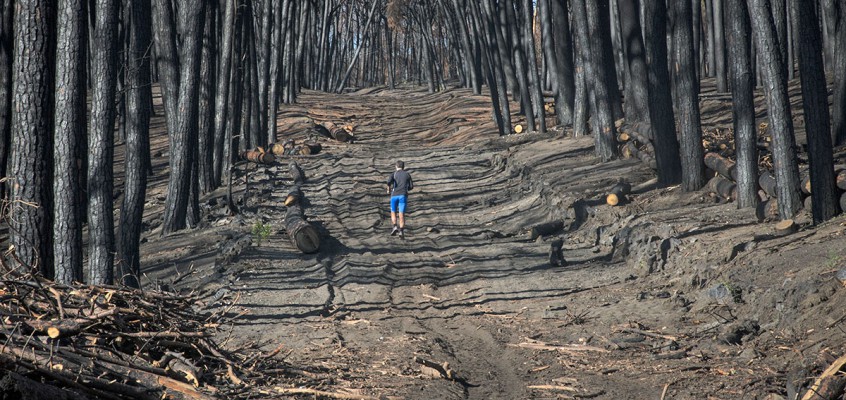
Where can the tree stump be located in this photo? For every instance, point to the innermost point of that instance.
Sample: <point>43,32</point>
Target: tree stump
<point>785,227</point>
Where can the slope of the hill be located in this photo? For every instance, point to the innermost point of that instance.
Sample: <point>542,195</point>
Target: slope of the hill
<point>669,296</point>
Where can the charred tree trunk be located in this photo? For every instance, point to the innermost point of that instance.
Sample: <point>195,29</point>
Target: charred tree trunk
<point>719,46</point>
<point>68,137</point>
<point>68,134</point>
<point>778,106</point>
<point>839,72</point>
<point>137,141</point>
<point>7,41</point>
<point>590,35</point>
<point>637,87</point>
<point>185,135</point>
<point>660,101</point>
<point>221,116</point>
<point>558,53</point>
<point>536,91</point>
<point>104,67</point>
<point>739,35</point>
<point>686,97</point>
<point>815,104</point>
<point>205,138</point>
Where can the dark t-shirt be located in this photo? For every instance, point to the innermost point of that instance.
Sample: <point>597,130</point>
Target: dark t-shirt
<point>400,183</point>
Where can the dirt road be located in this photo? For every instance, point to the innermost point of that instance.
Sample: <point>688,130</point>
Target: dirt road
<point>656,299</point>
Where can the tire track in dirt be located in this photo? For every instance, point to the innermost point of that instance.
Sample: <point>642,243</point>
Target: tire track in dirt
<point>464,263</point>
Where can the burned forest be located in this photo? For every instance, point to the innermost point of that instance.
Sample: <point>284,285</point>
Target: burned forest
<point>423,199</point>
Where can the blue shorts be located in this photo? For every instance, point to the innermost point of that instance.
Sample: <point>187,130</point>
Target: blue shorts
<point>398,203</point>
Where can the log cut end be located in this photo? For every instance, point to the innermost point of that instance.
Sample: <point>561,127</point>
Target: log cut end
<point>785,227</point>
<point>518,128</point>
<point>305,236</point>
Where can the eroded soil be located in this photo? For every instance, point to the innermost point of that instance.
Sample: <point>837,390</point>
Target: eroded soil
<point>670,296</point>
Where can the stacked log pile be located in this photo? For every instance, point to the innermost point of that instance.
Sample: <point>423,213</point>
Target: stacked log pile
<point>291,147</point>
<point>303,234</point>
<point>79,341</point>
<point>636,142</point>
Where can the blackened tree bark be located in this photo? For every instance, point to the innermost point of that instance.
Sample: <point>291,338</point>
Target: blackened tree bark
<point>31,158</point>
<point>815,104</point>
<point>487,19</point>
<point>583,98</point>
<point>223,84</point>
<point>6,50</point>
<point>521,66</point>
<point>697,35</point>
<point>686,97</point>
<point>660,101</point>
<point>779,13</point>
<point>535,88</point>
<point>558,53</point>
<point>839,68</point>
<point>208,78</point>
<point>275,66</point>
<point>637,88</point>
<point>68,134</point>
<point>778,106</point>
<point>609,67</point>
<point>104,68</point>
<point>137,140</point>
<point>182,139</point>
<point>469,58</point>
<point>738,35</point>
<point>167,60</point>
<point>591,35</point>
<point>719,46</point>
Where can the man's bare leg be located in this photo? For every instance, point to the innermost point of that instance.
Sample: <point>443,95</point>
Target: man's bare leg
<point>401,220</point>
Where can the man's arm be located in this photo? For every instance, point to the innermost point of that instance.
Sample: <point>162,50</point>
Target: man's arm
<point>410,183</point>
<point>390,183</point>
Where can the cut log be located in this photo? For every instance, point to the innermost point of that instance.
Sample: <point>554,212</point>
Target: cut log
<point>723,187</point>
<point>544,229</point>
<point>632,151</point>
<point>841,179</point>
<point>518,128</point>
<point>808,203</point>
<point>785,227</point>
<point>767,210</point>
<point>843,202</point>
<point>303,234</point>
<point>294,196</point>
<point>639,131</point>
<point>258,157</point>
<point>721,165</point>
<point>296,173</point>
<point>767,182</point>
<point>336,132</point>
<point>806,185</point>
<point>310,148</point>
<point>617,194</point>
<point>277,149</point>
<point>623,137</point>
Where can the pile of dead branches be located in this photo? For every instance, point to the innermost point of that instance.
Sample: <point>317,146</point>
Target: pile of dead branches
<point>120,343</point>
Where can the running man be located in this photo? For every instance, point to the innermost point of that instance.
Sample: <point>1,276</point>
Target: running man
<point>399,184</point>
